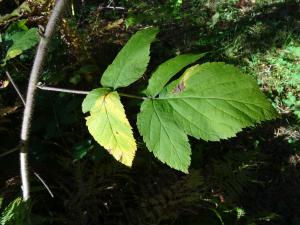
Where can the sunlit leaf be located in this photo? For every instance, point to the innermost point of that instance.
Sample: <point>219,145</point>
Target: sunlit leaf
<point>163,136</point>
<point>167,70</point>
<point>92,97</point>
<point>14,213</point>
<point>212,101</point>
<point>131,62</point>
<point>109,126</point>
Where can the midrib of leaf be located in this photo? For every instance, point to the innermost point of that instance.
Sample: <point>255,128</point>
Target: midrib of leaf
<point>244,123</point>
<point>226,100</point>
<point>107,116</point>
<point>205,98</point>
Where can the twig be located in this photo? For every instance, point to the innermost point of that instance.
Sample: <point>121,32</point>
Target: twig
<point>113,7</point>
<point>46,88</point>
<point>9,152</point>
<point>15,87</point>
<point>132,96</point>
<point>44,183</point>
<point>28,111</point>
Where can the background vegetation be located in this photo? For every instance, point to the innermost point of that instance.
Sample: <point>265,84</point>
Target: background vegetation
<point>250,179</point>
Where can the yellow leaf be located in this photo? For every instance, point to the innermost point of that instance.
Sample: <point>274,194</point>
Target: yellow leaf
<point>110,127</point>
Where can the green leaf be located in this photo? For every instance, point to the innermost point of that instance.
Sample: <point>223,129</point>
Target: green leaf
<point>167,70</point>
<point>131,62</point>
<point>22,41</point>
<point>109,126</point>
<point>14,213</point>
<point>82,149</point>
<point>16,27</point>
<point>92,97</point>
<point>214,101</point>
<point>163,136</point>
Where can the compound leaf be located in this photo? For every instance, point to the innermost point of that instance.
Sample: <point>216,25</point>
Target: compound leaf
<point>109,126</point>
<point>131,62</point>
<point>167,70</point>
<point>163,136</point>
<point>214,101</point>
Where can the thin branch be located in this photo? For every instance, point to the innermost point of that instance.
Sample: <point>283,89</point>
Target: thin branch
<point>44,183</point>
<point>113,7</point>
<point>9,152</point>
<point>30,97</point>
<point>46,88</point>
<point>15,87</point>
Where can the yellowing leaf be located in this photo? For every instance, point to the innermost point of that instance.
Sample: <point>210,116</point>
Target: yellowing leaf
<point>110,127</point>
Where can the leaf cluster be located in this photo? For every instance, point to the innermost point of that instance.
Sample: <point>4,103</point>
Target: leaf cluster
<point>212,101</point>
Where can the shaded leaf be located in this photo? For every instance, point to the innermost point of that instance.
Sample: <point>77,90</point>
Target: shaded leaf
<point>167,70</point>
<point>22,41</point>
<point>109,126</point>
<point>131,62</point>
<point>82,149</point>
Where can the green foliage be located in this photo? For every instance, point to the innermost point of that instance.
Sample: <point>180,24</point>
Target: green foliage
<point>278,71</point>
<point>293,102</point>
<point>131,62</point>
<point>212,101</point>
<point>19,39</point>
<point>153,12</point>
<point>167,70</point>
<point>163,136</point>
<point>81,150</point>
<point>14,213</point>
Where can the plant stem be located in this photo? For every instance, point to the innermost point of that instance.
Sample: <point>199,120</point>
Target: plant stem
<point>15,87</point>
<point>28,111</point>
<point>132,96</point>
<point>44,183</point>
<point>9,152</point>
<point>72,91</point>
<point>46,88</point>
